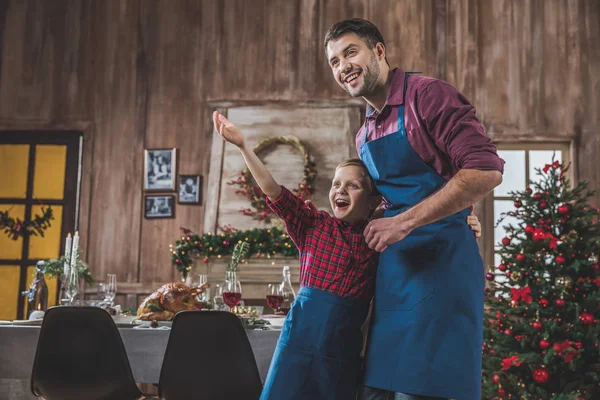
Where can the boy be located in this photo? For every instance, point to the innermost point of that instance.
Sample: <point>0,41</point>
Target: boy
<point>318,353</point>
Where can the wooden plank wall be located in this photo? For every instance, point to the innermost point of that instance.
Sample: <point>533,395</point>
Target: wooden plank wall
<point>144,73</point>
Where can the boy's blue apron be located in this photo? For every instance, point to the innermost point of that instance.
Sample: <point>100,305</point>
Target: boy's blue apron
<point>318,353</point>
<point>427,328</point>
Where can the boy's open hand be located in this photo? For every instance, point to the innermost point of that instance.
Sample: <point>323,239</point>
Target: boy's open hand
<point>228,131</point>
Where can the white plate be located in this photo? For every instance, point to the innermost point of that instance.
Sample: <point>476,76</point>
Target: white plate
<point>35,322</point>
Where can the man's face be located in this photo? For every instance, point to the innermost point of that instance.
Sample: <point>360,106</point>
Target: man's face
<point>354,65</point>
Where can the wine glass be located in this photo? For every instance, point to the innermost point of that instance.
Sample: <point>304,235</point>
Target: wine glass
<point>274,297</point>
<point>110,288</point>
<point>218,299</point>
<point>232,292</point>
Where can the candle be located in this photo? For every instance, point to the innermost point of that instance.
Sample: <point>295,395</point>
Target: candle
<point>74,253</point>
<point>67,255</point>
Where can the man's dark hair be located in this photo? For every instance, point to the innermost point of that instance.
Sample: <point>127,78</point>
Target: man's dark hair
<point>366,30</point>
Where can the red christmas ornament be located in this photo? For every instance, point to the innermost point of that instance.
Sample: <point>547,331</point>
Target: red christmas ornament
<point>537,196</point>
<point>541,375</point>
<point>560,302</point>
<point>528,191</point>
<point>561,259</point>
<point>543,302</point>
<point>537,325</point>
<point>502,267</point>
<point>489,276</point>
<point>543,204</point>
<point>205,260</point>
<point>178,261</point>
<point>501,392</point>
<point>586,318</point>
<point>564,209</point>
<point>529,229</point>
<point>521,257</point>
<point>518,204</point>
<point>539,234</point>
<point>508,274</point>
<point>508,331</point>
<point>505,241</point>
<point>577,345</point>
<point>544,344</point>
<point>496,379</point>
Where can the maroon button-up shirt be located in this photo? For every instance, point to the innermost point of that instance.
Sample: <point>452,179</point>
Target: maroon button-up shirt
<point>333,254</point>
<point>441,125</point>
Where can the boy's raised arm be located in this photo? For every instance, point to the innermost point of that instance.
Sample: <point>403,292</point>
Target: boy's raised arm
<point>230,133</point>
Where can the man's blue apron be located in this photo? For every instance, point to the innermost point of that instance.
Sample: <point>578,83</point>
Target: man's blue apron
<point>318,353</point>
<point>427,328</point>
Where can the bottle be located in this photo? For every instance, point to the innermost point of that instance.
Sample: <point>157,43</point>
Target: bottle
<point>287,291</point>
<point>38,291</point>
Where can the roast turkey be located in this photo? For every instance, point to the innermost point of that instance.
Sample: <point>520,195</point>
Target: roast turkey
<point>168,300</point>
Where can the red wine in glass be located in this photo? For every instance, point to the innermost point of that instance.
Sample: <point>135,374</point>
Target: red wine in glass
<point>232,299</point>
<point>274,301</point>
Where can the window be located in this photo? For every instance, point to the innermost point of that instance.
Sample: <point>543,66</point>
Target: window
<point>36,168</point>
<point>521,161</point>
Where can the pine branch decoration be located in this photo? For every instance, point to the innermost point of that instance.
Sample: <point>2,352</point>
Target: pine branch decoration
<point>240,252</point>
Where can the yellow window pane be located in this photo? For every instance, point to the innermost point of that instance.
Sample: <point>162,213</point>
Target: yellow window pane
<point>51,282</point>
<point>11,249</point>
<point>48,246</point>
<point>49,173</point>
<point>9,287</point>
<point>14,160</point>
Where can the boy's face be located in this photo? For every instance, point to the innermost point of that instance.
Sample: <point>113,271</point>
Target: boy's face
<point>354,65</point>
<point>350,194</point>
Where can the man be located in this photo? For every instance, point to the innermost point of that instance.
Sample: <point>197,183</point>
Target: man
<point>431,160</point>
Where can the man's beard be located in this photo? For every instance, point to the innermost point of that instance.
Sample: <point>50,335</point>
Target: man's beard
<point>370,76</point>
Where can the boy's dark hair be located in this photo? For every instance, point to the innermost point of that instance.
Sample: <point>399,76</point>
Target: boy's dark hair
<point>359,163</point>
<point>366,30</point>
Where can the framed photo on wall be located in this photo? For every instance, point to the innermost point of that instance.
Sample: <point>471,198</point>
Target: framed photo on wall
<point>189,188</point>
<point>160,169</point>
<point>159,206</point>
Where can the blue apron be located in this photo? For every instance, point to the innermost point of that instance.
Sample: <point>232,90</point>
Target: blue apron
<point>318,353</point>
<point>427,326</point>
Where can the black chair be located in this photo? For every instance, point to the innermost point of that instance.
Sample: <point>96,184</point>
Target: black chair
<point>208,356</point>
<point>80,355</point>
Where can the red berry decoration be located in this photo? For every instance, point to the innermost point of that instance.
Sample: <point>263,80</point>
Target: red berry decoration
<point>541,375</point>
<point>496,379</point>
<point>543,204</point>
<point>502,267</point>
<point>529,229</point>
<point>564,209</point>
<point>521,257</point>
<point>537,325</point>
<point>543,302</point>
<point>560,302</point>
<point>489,276</point>
<point>544,344</point>
<point>560,260</point>
<point>537,196</point>
<point>518,204</point>
<point>505,241</point>
<point>586,318</point>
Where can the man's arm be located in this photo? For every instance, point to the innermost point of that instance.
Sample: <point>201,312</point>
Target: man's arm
<point>465,188</point>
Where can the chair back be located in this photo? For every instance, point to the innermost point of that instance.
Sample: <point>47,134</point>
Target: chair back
<point>80,355</point>
<point>209,356</point>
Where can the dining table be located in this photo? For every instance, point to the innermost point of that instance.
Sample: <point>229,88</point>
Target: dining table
<point>145,349</point>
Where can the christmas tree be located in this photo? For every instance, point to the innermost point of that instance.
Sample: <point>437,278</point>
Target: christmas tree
<point>541,330</point>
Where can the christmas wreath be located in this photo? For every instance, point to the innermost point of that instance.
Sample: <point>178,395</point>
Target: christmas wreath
<point>15,227</point>
<point>249,189</point>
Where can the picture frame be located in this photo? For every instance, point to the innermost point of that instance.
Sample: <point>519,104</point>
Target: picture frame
<point>189,189</point>
<point>159,206</point>
<point>160,169</point>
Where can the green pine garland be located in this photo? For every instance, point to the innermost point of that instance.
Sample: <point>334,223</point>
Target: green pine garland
<point>541,336</point>
<point>261,243</point>
<point>16,228</point>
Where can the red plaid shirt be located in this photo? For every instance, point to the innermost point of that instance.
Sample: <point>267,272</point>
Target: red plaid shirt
<point>333,254</point>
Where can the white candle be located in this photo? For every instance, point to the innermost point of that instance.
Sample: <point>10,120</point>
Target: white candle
<point>67,255</point>
<point>74,252</point>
